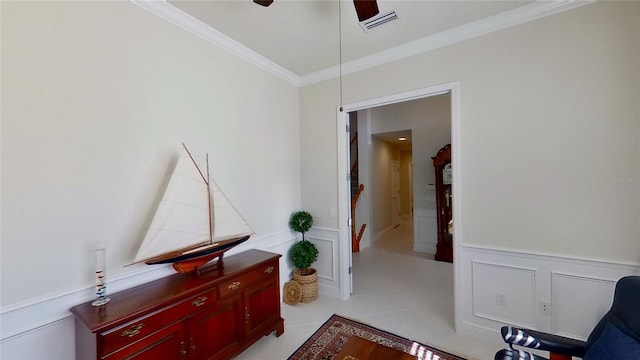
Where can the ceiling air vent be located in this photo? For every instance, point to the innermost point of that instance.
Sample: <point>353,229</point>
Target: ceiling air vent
<point>378,20</point>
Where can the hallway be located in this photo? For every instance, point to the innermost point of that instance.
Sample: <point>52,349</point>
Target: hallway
<point>400,240</point>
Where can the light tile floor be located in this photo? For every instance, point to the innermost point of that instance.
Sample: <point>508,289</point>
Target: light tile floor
<point>394,290</point>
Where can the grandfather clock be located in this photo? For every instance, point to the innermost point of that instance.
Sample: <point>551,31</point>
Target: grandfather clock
<point>442,165</point>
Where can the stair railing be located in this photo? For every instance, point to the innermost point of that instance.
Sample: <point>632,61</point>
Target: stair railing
<point>355,238</point>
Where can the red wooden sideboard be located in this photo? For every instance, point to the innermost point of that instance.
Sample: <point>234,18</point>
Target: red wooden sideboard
<point>214,315</point>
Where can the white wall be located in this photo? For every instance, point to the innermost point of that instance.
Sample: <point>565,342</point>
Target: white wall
<point>96,98</point>
<point>406,181</point>
<point>549,122</point>
<point>549,141</point>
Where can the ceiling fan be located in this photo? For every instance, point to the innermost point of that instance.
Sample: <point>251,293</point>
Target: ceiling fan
<point>365,9</point>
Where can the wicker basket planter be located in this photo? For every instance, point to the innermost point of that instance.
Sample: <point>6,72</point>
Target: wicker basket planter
<point>308,283</point>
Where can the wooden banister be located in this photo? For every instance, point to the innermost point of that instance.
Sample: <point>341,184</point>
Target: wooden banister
<point>355,238</point>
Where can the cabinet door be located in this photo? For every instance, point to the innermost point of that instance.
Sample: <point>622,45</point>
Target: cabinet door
<point>167,343</point>
<point>262,307</point>
<point>216,332</point>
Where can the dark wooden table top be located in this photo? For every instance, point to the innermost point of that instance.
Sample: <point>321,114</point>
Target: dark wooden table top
<point>358,348</point>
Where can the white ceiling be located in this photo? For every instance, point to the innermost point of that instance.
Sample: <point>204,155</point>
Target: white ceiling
<point>393,138</point>
<point>303,36</point>
<point>303,42</point>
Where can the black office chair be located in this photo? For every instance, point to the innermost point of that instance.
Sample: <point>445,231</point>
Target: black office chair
<point>616,336</point>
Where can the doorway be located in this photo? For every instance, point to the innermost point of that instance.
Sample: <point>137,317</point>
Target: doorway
<point>388,176</point>
<point>345,257</point>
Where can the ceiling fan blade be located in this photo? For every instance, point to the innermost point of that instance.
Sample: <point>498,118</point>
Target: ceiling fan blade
<point>263,2</point>
<point>365,9</point>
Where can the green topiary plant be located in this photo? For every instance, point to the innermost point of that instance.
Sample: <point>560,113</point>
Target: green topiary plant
<point>303,253</point>
<point>301,222</point>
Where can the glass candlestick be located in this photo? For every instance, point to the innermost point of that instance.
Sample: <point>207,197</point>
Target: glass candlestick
<point>101,279</point>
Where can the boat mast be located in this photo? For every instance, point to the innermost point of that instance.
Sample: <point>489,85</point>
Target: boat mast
<point>206,181</point>
<point>209,203</point>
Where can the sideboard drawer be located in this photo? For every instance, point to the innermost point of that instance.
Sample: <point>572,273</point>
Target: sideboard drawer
<point>197,302</point>
<point>130,333</point>
<point>269,270</point>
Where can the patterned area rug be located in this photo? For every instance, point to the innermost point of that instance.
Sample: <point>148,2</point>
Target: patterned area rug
<point>329,339</point>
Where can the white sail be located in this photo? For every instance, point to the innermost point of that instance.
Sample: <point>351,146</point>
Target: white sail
<point>185,216</point>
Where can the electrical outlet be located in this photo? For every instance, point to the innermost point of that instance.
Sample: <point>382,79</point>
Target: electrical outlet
<point>332,213</point>
<point>545,308</point>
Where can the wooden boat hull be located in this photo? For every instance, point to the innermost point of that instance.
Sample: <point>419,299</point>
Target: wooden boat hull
<point>190,262</point>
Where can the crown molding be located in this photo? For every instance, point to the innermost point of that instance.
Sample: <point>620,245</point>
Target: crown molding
<point>172,14</point>
<point>464,32</point>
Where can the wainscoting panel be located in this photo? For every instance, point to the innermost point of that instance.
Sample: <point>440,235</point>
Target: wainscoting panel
<point>325,263</point>
<point>326,240</point>
<point>497,287</point>
<point>425,236</point>
<point>567,294</point>
<point>503,293</point>
<point>49,323</point>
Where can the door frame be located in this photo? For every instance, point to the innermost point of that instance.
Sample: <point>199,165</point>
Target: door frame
<point>344,202</point>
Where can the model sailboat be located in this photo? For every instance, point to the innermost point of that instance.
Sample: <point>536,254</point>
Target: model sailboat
<point>195,222</point>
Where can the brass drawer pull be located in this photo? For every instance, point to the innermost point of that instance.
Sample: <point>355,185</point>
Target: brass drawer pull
<point>234,285</point>
<point>269,270</point>
<point>199,301</point>
<point>132,331</point>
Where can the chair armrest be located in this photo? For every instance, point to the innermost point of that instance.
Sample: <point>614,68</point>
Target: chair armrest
<point>512,354</point>
<point>543,341</point>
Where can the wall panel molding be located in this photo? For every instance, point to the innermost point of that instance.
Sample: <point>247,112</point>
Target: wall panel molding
<point>567,292</point>
<point>503,293</point>
<point>579,291</point>
<point>22,319</point>
<point>553,257</point>
<point>327,241</point>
